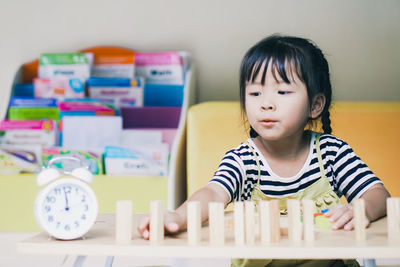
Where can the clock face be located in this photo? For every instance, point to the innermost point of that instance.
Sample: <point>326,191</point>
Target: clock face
<point>66,208</point>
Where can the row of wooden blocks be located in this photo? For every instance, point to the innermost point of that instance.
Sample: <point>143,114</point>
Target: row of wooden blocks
<point>300,226</point>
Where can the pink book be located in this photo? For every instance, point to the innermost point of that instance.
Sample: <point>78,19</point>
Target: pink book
<point>6,125</point>
<point>82,106</point>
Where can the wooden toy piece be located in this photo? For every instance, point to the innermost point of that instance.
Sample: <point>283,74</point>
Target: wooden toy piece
<point>216,223</point>
<point>308,220</point>
<point>156,221</point>
<point>294,220</point>
<point>123,222</point>
<point>265,223</point>
<point>393,218</point>
<point>359,219</point>
<point>194,223</point>
<point>238,216</point>
<point>274,219</point>
<point>249,208</point>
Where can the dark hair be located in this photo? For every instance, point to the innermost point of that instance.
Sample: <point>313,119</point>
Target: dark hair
<point>287,54</point>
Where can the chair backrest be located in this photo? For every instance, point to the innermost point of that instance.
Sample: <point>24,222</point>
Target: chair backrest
<point>372,129</point>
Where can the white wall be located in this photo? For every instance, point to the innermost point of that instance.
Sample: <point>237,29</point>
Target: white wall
<point>360,37</point>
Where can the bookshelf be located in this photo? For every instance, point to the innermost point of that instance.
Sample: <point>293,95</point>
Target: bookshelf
<point>17,192</point>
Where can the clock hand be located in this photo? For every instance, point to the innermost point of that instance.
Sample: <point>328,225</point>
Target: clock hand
<point>66,200</point>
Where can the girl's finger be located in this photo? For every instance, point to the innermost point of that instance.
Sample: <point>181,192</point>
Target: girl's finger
<point>349,226</point>
<point>366,222</point>
<point>336,214</point>
<point>345,218</point>
<point>144,223</point>
<point>172,227</point>
<point>330,212</point>
<point>146,234</point>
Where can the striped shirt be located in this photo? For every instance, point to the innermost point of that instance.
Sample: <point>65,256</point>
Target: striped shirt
<point>346,172</point>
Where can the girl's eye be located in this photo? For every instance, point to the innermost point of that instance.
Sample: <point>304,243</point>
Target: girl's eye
<point>255,93</point>
<point>284,92</point>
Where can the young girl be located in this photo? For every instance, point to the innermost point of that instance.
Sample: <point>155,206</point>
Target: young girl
<point>284,88</point>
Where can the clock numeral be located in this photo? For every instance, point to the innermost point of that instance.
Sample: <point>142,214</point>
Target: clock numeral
<point>67,189</point>
<point>67,228</point>
<point>86,207</point>
<point>76,224</point>
<point>58,224</point>
<point>50,199</point>
<point>50,218</point>
<point>57,191</point>
<point>83,198</point>
<point>77,190</point>
<point>83,217</point>
<point>47,208</point>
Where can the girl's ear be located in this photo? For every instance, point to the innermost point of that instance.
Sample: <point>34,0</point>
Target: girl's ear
<point>317,106</point>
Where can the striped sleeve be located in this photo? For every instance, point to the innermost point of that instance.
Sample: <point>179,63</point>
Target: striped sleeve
<point>352,175</point>
<point>230,174</point>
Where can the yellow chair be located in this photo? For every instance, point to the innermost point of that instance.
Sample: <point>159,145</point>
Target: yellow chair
<point>372,129</point>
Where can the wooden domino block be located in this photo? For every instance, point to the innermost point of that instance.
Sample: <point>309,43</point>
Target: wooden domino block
<point>123,222</point>
<point>194,223</point>
<point>294,220</point>
<point>359,219</point>
<point>238,217</point>
<point>249,208</point>
<point>274,219</point>
<point>216,223</point>
<point>265,223</point>
<point>308,220</point>
<point>393,218</point>
<point>156,221</point>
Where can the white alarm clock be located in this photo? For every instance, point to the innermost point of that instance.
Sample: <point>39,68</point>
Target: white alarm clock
<point>66,207</point>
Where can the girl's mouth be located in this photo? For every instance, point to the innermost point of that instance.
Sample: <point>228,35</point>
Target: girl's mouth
<point>268,122</point>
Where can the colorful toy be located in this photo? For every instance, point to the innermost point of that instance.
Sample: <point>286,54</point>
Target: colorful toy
<point>321,220</point>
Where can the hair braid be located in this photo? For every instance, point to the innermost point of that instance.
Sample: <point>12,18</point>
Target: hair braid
<point>253,133</point>
<point>326,122</point>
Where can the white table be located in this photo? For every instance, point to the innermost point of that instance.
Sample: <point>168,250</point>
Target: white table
<point>328,244</point>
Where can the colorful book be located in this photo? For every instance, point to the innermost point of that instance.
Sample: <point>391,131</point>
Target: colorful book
<point>125,92</point>
<point>148,160</point>
<point>59,88</point>
<point>32,132</point>
<point>114,65</point>
<point>66,65</point>
<point>160,67</point>
<point>90,159</point>
<point>32,102</point>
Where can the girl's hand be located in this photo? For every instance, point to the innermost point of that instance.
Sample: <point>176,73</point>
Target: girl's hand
<point>172,223</point>
<point>342,216</point>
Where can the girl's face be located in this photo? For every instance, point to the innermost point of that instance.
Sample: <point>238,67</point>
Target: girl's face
<point>277,110</point>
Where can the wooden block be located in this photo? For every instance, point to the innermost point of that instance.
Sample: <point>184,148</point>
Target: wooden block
<point>393,218</point>
<point>308,220</point>
<point>123,222</point>
<point>359,219</point>
<point>238,217</point>
<point>274,219</point>
<point>265,224</point>
<point>194,223</point>
<point>156,221</point>
<point>294,220</point>
<point>250,225</point>
<point>216,223</point>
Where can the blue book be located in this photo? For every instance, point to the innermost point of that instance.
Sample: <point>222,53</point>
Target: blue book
<point>166,95</point>
<point>113,82</point>
<point>32,102</point>
<point>23,90</point>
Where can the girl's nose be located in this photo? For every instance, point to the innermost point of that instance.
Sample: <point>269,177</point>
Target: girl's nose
<point>267,104</point>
